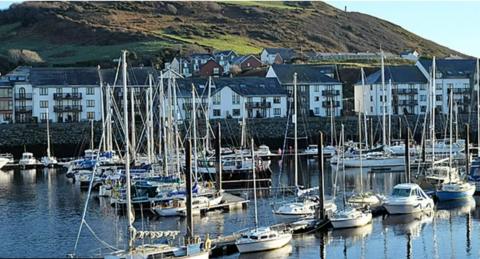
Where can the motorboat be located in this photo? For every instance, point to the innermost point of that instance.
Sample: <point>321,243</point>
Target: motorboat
<point>455,190</point>
<point>3,161</point>
<point>177,207</point>
<point>408,198</point>
<point>262,239</point>
<point>305,208</point>
<point>27,160</point>
<point>350,217</point>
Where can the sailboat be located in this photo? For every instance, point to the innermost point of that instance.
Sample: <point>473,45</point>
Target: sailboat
<point>349,216</point>
<point>191,250</point>
<point>48,160</point>
<point>261,238</point>
<point>307,206</point>
<point>454,189</point>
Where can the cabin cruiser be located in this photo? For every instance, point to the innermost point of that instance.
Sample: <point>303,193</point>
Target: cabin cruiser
<point>350,217</point>
<point>177,206</point>
<point>262,239</point>
<point>408,198</point>
<point>304,208</point>
<point>27,160</point>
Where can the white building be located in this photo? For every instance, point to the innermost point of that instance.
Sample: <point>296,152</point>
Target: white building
<point>255,97</point>
<point>456,74</point>
<point>405,92</point>
<point>318,92</point>
<point>410,55</point>
<point>271,56</point>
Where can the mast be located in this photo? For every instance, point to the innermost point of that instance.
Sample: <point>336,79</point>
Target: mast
<point>451,129</point>
<point>343,166</point>
<point>150,112</point>
<point>478,107</point>
<point>48,135</point>
<point>433,109</point>
<point>134,141</point>
<point>207,115</point>
<point>92,146</point>
<point>242,137</point>
<point>194,129</point>
<point>364,107</point>
<point>109,120</point>
<point>384,137</point>
<point>360,150</point>
<point>389,112</point>
<point>127,154</point>
<point>147,111</point>
<point>175,112</point>
<point>295,128</point>
<point>254,184</point>
<point>102,108</point>
<point>163,136</point>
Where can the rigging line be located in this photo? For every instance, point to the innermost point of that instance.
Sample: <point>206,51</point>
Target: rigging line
<point>90,187</point>
<point>107,245</point>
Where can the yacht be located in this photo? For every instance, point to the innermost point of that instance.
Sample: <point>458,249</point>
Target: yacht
<point>455,190</point>
<point>262,239</point>
<point>305,208</point>
<point>350,218</point>
<point>27,160</point>
<point>408,198</point>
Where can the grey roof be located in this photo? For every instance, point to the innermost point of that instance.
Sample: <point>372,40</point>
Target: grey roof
<point>285,53</point>
<point>240,59</point>
<point>407,74</point>
<point>224,52</point>
<point>201,55</point>
<point>63,76</point>
<point>463,68</point>
<point>245,86</point>
<point>306,74</point>
<point>135,76</point>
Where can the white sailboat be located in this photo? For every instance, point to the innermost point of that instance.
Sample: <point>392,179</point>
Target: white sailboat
<point>48,160</point>
<point>349,217</point>
<point>147,250</point>
<point>263,238</point>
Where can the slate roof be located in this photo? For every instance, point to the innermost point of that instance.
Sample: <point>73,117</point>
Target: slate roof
<point>201,56</point>
<point>245,86</point>
<point>463,68</point>
<point>285,53</point>
<point>240,59</point>
<point>306,74</point>
<point>224,52</point>
<point>63,76</point>
<point>407,74</point>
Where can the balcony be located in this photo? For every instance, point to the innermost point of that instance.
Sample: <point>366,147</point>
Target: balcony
<point>23,96</point>
<point>258,105</point>
<point>407,102</point>
<point>331,92</point>
<point>328,104</point>
<point>23,109</point>
<point>404,91</point>
<point>461,90</point>
<point>67,108</point>
<point>67,96</point>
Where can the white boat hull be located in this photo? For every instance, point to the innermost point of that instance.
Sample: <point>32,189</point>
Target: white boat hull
<point>407,208</point>
<point>363,220</point>
<point>3,162</point>
<point>264,245</point>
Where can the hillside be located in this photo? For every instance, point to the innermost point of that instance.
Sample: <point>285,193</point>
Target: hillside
<point>90,33</point>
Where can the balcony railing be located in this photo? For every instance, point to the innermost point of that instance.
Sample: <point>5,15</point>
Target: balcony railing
<point>461,90</point>
<point>67,96</point>
<point>328,104</point>
<point>23,96</point>
<point>67,108</point>
<point>258,105</point>
<point>405,91</point>
<point>408,102</point>
<point>331,92</point>
<point>23,109</point>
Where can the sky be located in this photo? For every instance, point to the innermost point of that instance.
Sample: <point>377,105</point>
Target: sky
<point>454,24</point>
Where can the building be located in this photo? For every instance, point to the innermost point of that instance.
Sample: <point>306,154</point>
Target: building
<point>252,97</point>
<point>319,93</point>
<point>410,55</point>
<point>456,74</point>
<point>6,101</point>
<point>247,62</point>
<point>210,68</point>
<point>271,56</point>
<point>405,92</point>
<point>225,59</point>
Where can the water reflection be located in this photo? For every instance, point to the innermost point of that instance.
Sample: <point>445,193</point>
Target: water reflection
<point>410,224</point>
<point>284,252</point>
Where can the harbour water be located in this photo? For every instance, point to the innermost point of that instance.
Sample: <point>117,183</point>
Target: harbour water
<point>41,212</point>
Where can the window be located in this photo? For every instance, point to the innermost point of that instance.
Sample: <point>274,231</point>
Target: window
<point>381,98</point>
<point>423,87</point>
<point>217,112</point>
<point>59,90</point>
<point>90,103</point>
<point>423,108</point>
<point>423,98</point>
<point>236,112</point>
<point>235,98</point>
<point>317,110</point>
<point>371,98</point>
<point>90,115</point>
<point>43,91</point>
<point>216,71</point>
<point>216,99</point>
<point>438,97</point>
<point>43,104</point>
<point>74,90</point>
<point>276,99</point>
<point>277,111</point>
<point>43,116</point>
<point>371,87</point>
<point>371,109</point>
<point>317,98</point>
<point>317,88</point>
<point>90,91</point>
<point>439,86</point>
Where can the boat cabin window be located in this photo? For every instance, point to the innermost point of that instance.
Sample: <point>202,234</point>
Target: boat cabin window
<point>254,237</point>
<point>272,236</point>
<point>263,237</point>
<point>401,192</point>
<point>244,236</point>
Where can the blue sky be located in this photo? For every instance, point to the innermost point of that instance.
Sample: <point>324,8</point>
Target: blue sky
<point>450,23</point>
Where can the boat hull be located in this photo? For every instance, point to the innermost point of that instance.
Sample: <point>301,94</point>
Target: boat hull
<point>407,208</point>
<point>264,245</point>
<point>446,195</point>
<point>352,223</point>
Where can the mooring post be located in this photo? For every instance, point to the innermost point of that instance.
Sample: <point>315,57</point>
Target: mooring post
<point>467,148</point>
<point>218,160</point>
<point>321,190</point>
